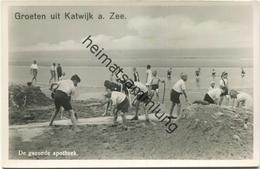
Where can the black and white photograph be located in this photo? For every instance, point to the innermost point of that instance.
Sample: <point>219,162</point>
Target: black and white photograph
<point>157,81</point>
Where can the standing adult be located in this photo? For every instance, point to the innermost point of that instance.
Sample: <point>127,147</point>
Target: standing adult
<point>53,73</point>
<point>59,71</point>
<point>34,71</point>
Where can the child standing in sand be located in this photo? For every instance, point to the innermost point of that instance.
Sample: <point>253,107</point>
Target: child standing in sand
<point>178,89</point>
<point>62,98</point>
<point>155,85</point>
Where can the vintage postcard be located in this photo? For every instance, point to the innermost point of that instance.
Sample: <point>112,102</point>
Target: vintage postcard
<point>130,84</point>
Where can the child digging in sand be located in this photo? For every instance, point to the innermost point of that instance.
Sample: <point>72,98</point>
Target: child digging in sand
<point>141,97</point>
<point>64,90</point>
<point>178,89</point>
<point>120,105</point>
<point>113,86</point>
<point>242,99</point>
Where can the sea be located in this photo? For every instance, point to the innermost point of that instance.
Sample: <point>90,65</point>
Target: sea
<point>93,73</point>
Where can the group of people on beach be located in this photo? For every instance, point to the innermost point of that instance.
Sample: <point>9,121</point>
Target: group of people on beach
<point>55,72</point>
<point>118,97</point>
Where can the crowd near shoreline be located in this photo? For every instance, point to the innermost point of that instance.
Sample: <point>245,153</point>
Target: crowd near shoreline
<point>123,91</point>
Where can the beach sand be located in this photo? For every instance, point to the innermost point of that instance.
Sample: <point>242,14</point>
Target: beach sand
<point>199,135</point>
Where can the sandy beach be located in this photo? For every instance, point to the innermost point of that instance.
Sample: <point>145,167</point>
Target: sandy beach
<point>199,126</point>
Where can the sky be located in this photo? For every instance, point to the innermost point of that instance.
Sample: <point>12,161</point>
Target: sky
<point>146,27</point>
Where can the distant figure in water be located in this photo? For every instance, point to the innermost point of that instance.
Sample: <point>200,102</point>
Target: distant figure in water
<point>59,71</point>
<point>136,75</point>
<point>34,71</point>
<point>213,74</point>
<point>197,75</point>
<point>243,73</point>
<point>53,73</point>
<point>169,73</point>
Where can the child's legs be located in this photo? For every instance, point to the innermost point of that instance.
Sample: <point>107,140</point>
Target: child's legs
<point>146,113</point>
<point>178,108</point>
<point>54,76</point>
<point>172,108</point>
<point>73,118</point>
<point>108,105</point>
<point>54,114</point>
<point>123,118</point>
<point>157,95</point>
<point>51,77</point>
<point>61,112</point>
<point>221,100</point>
<point>137,107</point>
<point>227,99</point>
<point>115,116</point>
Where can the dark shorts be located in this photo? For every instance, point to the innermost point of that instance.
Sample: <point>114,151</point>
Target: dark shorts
<point>61,99</point>
<point>143,97</point>
<point>123,107</point>
<point>225,91</point>
<point>213,74</point>
<point>208,99</point>
<point>175,96</point>
<point>155,86</point>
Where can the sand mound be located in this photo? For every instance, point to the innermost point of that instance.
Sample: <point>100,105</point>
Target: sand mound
<point>215,132</point>
<point>23,96</point>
